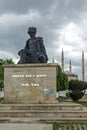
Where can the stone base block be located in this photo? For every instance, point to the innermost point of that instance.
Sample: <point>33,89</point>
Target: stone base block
<point>16,126</point>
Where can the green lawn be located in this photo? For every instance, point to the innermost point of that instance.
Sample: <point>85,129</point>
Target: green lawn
<point>69,126</point>
<point>84,103</point>
<point>1,99</point>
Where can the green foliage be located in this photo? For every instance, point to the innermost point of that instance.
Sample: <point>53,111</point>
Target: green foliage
<point>62,80</point>
<point>1,84</point>
<point>1,70</point>
<point>1,99</point>
<point>69,126</point>
<point>84,103</point>
<point>3,62</point>
<point>76,84</point>
<point>77,89</point>
<point>68,94</point>
<point>8,61</point>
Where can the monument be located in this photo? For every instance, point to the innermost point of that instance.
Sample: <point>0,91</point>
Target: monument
<point>30,92</point>
<point>30,86</point>
<point>32,79</point>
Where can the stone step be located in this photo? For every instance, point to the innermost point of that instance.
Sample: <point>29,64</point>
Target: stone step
<point>41,120</point>
<point>45,114</point>
<point>42,112</point>
<point>59,106</point>
<point>50,104</point>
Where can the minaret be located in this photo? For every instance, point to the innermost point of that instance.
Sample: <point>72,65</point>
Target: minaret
<point>70,66</point>
<point>53,60</point>
<point>62,58</point>
<point>83,74</point>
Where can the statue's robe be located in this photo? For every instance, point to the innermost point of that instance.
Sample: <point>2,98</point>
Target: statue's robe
<point>34,51</point>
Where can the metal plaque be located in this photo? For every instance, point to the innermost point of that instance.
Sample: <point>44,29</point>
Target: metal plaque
<point>48,91</point>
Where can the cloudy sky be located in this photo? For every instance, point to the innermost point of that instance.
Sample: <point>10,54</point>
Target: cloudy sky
<point>61,23</point>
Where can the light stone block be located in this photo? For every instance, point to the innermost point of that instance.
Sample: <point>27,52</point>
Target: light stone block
<point>30,82</point>
<point>21,126</point>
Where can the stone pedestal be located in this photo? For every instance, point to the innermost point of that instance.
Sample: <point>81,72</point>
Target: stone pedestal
<point>34,83</point>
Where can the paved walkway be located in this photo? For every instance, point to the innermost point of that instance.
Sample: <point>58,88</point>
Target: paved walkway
<point>73,127</point>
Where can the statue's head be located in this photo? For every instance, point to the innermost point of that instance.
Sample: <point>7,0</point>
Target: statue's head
<point>32,30</point>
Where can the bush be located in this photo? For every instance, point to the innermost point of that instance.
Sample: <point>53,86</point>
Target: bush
<point>1,85</point>
<point>77,89</point>
<point>68,95</point>
<point>62,80</point>
<point>76,95</point>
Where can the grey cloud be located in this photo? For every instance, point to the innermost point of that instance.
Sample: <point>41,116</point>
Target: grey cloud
<point>22,6</point>
<point>48,16</point>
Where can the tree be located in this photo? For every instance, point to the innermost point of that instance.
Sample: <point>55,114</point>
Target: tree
<point>77,89</point>
<point>62,80</point>
<point>1,70</point>
<point>3,62</point>
<point>8,61</point>
<point>59,78</point>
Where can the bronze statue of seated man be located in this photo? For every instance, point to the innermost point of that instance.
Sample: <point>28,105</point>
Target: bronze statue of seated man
<point>34,51</point>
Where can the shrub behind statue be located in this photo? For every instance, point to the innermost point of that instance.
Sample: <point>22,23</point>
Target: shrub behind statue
<point>77,89</point>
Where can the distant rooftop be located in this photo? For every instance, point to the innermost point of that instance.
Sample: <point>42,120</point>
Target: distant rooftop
<point>69,73</point>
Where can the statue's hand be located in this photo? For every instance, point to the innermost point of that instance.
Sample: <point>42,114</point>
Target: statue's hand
<point>19,53</point>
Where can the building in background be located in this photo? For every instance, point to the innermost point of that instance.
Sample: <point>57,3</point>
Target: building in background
<point>70,74</point>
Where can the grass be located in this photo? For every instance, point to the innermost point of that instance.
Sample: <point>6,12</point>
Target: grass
<point>84,103</point>
<point>56,126</point>
<point>69,126</point>
<point>1,99</point>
